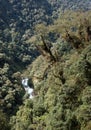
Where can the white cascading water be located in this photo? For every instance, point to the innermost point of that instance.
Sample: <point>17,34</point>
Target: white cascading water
<point>28,90</point>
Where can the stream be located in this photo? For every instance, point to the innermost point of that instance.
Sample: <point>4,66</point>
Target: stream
<point>29,91</point>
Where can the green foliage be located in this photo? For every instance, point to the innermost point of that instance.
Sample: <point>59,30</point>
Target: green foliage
<point>74,27</point>
<point>4,122</point>
<point>62,89</point>
<point>23,118</point>
<point>62,105</point>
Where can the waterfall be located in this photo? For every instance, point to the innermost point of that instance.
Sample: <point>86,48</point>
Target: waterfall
<point>27,88</point>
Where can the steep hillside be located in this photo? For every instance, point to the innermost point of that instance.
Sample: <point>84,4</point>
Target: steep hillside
<point>55,55</point>
<point>62,81</point>
<point>71,4</point>
<point>62,93</point>
<point>23,14</point>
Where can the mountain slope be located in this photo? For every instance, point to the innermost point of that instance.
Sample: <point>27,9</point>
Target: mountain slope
<point>61,75</point>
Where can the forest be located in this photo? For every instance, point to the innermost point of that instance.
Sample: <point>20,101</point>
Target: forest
<point>45,50</point>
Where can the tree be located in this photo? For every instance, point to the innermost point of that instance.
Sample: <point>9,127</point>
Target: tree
<point>4,121</point>
<point>24,117</point>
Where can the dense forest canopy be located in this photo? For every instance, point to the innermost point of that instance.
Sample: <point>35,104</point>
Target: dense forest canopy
<point>47,42</point>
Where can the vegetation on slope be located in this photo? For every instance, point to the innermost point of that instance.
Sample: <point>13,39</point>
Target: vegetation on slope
<point>60,75</point>
<point>62,88</point>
